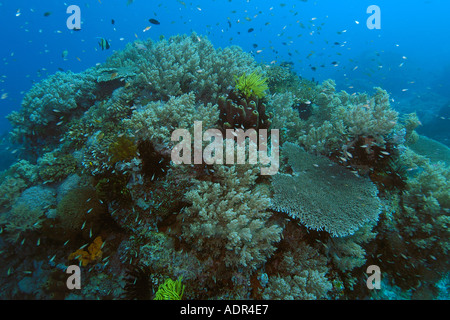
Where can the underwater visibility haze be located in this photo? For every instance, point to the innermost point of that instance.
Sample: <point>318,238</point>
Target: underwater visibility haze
<point>224,149</point>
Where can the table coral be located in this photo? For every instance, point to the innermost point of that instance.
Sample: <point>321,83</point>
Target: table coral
<point>324,196</point>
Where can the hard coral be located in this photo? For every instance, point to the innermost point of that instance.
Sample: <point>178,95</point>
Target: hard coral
<point>323,195</point>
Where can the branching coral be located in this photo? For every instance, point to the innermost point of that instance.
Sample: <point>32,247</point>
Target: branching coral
<point>301,274</point>
<point>156,121</point>
<point>230,221</point>
<point>55,166</point>
<point>415,241</point>
<point>339,119</point>
<point>48,107</point>
<point>22,218</point>
<point>323,195</point>
<point>183,64</point>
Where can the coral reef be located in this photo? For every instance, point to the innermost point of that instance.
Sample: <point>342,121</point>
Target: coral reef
<point>357,185</point>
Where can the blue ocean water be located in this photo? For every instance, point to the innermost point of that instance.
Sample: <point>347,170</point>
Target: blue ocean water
<point>408,56</point>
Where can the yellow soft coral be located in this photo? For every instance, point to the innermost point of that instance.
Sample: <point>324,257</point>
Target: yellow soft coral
<point>93,253</point>
<point>251,85</point>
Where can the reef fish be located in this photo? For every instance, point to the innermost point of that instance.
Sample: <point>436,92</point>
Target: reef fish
<point>154,21</point>
<point>104,44</point>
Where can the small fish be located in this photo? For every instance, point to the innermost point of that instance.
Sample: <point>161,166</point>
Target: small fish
<point>146,29</point>
<point>113,21</point>
<point>104,44</point>
<point>154,21</point>
<point>48,13</point>
<point>250,30</point>
<point>140,46</point>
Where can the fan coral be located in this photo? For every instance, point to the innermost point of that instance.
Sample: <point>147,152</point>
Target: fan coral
<point>324,196</point>
<point>10,189</point>
<point>252,85</point>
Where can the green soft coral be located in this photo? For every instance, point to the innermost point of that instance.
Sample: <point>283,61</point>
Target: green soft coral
<point>170,290</point>
<point>251,85</point>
